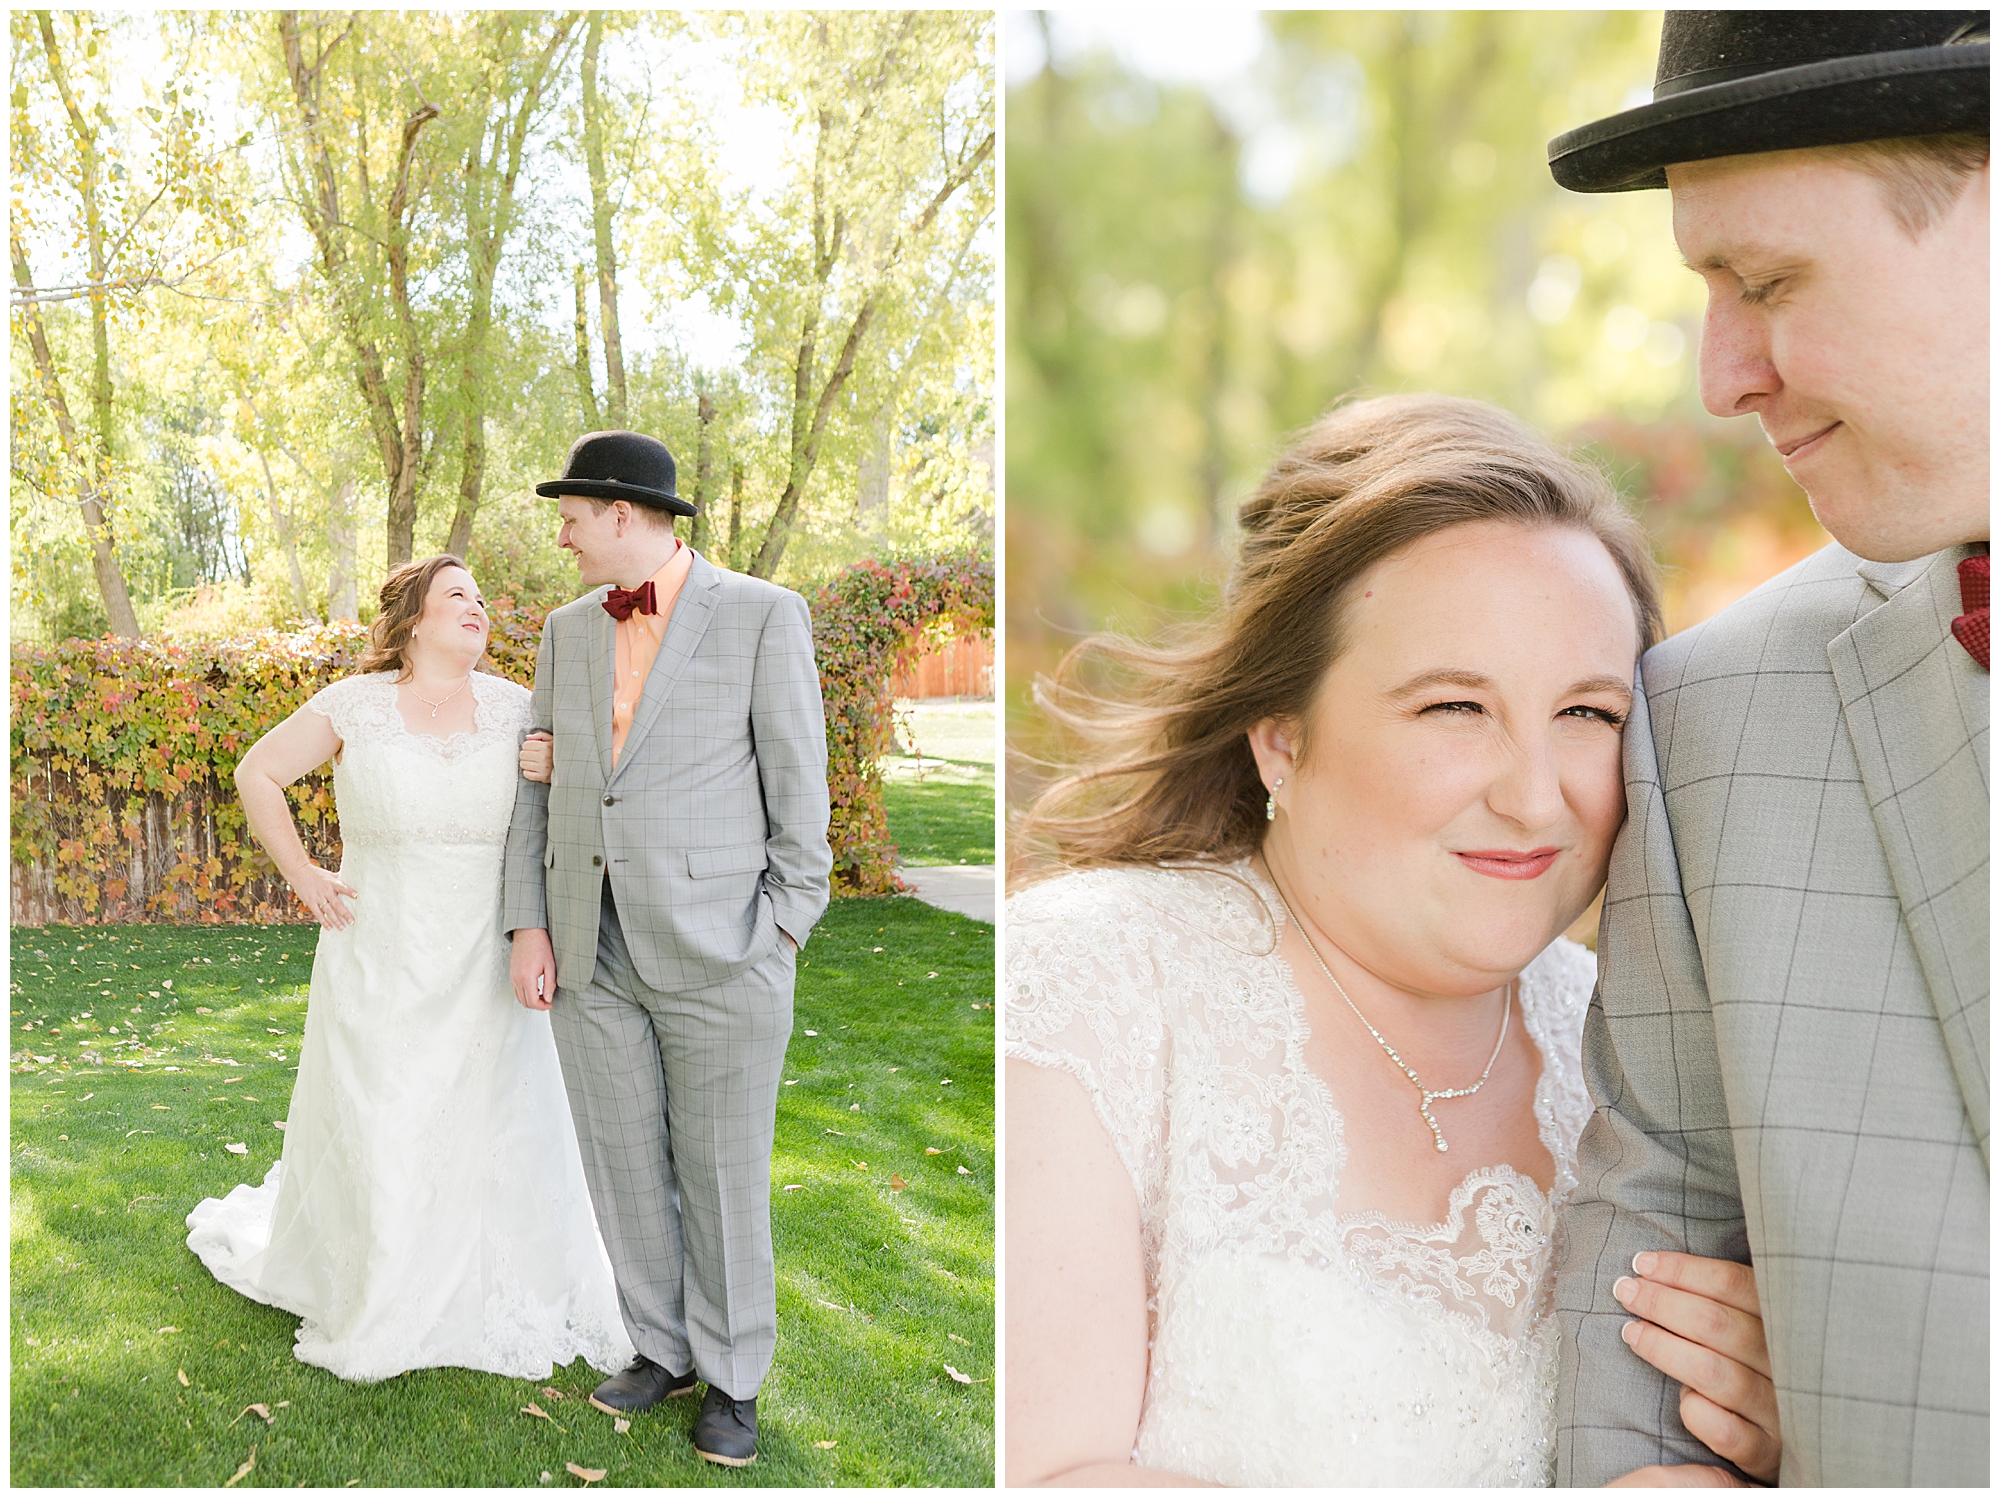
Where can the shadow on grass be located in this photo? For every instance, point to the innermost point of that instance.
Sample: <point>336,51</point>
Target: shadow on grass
<point>878,1287</point>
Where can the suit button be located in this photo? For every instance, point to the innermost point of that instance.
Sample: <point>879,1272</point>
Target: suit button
<point>596,861</point>
<point>609,799</point>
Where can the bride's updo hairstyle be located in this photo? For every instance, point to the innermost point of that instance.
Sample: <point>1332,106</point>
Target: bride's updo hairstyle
<point>403,594</point>
<point>1162,771</point>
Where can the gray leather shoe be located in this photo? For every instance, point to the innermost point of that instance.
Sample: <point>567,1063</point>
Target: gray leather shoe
<point>726,1429</point>
<point>642,1386</point>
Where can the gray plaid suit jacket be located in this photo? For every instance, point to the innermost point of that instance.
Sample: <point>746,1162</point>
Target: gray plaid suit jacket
<point>712,825</point>
<point>1788,1045</point>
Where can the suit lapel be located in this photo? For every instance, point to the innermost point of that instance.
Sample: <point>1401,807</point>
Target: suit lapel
<point>1916,708</point>
<point>603,659</point>
<point>692,612</point>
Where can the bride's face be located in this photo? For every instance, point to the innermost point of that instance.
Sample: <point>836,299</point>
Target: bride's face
<point>454,617</point>
<point>1460,784</point>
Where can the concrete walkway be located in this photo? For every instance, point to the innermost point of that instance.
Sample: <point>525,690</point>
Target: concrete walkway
<point>968,889</point>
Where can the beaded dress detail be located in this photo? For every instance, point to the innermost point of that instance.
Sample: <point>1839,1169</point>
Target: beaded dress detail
<point>1298,1337</point>
<point>429,1209</point>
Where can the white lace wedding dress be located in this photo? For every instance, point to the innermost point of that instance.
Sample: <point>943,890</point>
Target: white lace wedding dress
<point>429,1209</point>
<point>1298,1337</point>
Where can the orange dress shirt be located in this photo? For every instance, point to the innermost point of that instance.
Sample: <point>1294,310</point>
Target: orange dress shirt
<point>638,644</point>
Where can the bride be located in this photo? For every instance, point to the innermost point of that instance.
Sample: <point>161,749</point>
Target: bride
<point>1293,1086</point>
<point>429,1209</point>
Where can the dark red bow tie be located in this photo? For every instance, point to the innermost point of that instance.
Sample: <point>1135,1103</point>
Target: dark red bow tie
<point>1972,628</point>
<point>621,603</point>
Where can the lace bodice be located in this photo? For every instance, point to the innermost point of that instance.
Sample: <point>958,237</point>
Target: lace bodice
<point>1406,1352</point>
<point>397,787</point>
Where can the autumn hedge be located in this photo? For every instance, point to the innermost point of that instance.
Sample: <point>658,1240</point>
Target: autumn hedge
<point>124,807</point>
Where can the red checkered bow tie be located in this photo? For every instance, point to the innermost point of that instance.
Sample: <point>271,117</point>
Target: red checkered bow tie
<point>621,603</point>
<point>1971,628</point>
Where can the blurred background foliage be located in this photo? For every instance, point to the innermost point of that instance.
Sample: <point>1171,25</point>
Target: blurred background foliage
<point>1218,225</point>
<point>297,295</point>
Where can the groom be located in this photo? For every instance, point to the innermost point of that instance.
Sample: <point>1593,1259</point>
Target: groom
<point>1789,1044</point>
<point>678,859</point>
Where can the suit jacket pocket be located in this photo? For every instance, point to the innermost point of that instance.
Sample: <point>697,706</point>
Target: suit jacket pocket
<point>710,863</point>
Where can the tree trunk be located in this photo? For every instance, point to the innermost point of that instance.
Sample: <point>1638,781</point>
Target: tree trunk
<point>735,512</point>
<point>281,522</point>
<point>704,453</point>
<point>103,553</point>
<point>600,219</point>
<point>487,222</point>
<point>342,593</point>
<point>398,437</point>
<point>808,430</point>
<point>586,397</point>
<point>92,466</point>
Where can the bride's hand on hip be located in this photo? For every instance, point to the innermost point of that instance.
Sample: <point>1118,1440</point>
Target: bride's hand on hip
<point>1700,1323</point>
<point>538,757</point>
<point>321,892</point>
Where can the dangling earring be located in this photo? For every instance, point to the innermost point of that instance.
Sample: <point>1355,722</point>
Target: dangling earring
<point>1271,801</point>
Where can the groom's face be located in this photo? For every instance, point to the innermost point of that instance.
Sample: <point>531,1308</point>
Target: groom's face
<point>1860,348</point>
<point>594,534</point>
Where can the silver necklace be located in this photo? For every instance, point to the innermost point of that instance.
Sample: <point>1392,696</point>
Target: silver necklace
<point>1426,1095</point>
<point>434,706</point>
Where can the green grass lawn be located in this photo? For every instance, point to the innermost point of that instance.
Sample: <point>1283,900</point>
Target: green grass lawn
<point>141,1052</point>
<point>940,803</point>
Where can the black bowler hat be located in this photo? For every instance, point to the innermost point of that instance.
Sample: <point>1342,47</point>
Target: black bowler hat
<point>619,465</point>
<point>1732,82</point>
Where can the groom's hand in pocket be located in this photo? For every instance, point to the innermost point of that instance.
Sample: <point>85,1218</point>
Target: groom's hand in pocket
<point>1701,1324</point>
<point>532,968</point>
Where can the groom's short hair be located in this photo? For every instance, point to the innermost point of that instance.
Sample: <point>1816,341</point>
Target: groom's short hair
<point>660,519</point>
<point>1921,176</point>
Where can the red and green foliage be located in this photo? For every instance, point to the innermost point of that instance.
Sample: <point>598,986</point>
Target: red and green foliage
<point>123,750</point>
<point>868,621</point>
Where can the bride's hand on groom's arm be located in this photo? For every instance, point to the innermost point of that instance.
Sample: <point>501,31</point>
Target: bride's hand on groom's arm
<point>538,756</point>
<point>1700,1323</point>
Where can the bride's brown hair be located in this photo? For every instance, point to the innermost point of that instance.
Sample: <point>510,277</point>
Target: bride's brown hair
<point>1163,771</point>
<point>403,594</point>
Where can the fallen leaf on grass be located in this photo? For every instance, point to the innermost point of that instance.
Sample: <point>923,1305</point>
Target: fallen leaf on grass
<point>930,975</point>
<point>621,1425</point>
<point>963,1171</point>
<point>598,1404</point>
<point>262,1411</point>
<point>164,1330</point>
<point>793,1083</point>
<point>182,1375</point>
<point>588,1474</point>
<point>244,1470</point>
<point>552,1391</point>
<point>929,1151</point>
<point>86,1097</point>
<point>813,1033</point>
<point>281,1404</point>
<point>541,1414</point>
<point>860,1164</point>
<point>237,1149</point>
<point>826,1445</point>
<point>851,1108</point>
<point>161,1108</point>
<point>277,1123</point>
<point>958,1339</point>
<point>795,1188</point>
<point>896,1182</point>
<point>836,1131</point>
<point>956,1376</point>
